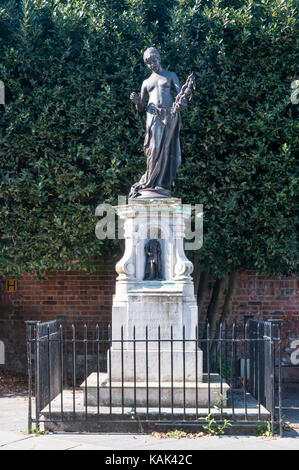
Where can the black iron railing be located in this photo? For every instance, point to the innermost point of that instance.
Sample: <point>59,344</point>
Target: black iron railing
<point>60,359</point>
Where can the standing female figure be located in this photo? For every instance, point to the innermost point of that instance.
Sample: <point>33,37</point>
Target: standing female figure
<point>161,144</point>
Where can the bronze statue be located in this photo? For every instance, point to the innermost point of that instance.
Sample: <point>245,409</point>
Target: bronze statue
<point>161,144</point>
<point>153,263</point>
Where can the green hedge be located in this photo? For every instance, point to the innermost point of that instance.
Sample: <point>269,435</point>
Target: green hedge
<point>70,138</point>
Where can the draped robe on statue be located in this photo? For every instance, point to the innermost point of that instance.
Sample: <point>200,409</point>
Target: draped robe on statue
<point>162,149</point>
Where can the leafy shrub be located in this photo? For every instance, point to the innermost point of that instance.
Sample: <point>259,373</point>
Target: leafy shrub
<point>70,138</point>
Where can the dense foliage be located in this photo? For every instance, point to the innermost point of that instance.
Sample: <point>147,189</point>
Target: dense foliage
<point>71,139</point>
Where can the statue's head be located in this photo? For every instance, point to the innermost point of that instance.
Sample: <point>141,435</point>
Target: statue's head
<point>152,59</point>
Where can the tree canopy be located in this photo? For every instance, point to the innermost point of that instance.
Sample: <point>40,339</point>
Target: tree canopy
<point>71,139</point>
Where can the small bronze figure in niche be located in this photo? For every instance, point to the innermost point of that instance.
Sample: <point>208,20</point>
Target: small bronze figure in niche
<point>153,263</point>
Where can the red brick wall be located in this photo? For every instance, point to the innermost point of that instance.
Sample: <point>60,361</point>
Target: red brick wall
<point>83,297</point>
<point>264,298</point>
<point>74,295</point>
<point>270,298</point>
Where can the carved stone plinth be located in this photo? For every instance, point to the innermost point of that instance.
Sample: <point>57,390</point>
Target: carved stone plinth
<point>154,310</point>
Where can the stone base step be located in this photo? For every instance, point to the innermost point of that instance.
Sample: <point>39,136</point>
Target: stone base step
<point>113,425</point>
<point>191,394</point>
<point>118,419</point>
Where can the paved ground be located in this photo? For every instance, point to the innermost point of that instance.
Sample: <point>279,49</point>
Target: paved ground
<point>13,424</point>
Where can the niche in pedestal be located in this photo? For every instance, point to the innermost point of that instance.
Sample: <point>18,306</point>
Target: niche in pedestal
<point>153,261</point>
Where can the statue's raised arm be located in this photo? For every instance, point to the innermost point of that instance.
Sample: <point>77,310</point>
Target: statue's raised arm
<point>140,99</point>
<point>161,144</point>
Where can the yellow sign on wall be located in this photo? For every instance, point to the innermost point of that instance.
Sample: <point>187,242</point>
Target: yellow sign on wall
<point>11,285</point>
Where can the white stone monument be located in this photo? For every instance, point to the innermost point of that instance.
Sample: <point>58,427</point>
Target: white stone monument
<point>151,372</point>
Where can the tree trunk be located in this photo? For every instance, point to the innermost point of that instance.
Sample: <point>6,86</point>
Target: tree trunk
<point>202,290</point>
<point>213,308</point>
<point>212,316</point>
<point>196,271</point>
<point>228,303</point>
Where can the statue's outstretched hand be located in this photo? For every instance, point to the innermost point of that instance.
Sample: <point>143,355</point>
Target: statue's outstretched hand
<point>135,97</point>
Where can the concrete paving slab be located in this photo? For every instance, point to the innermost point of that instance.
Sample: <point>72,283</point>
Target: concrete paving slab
<point>13,423</point>
<point>109,441</point>
<point>13,412</point>
<point>40,443</point>
<point>90,447</point>
<point>145,442</point>
<point>119,443</point>
<point>9,437</point>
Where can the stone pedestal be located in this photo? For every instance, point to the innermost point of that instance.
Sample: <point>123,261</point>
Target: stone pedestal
<point>151,310</point>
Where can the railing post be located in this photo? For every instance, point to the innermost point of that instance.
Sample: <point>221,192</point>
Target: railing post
<point>252,357</point>
<point>220,369</point>
<point>272,376</point>
<point>196,369</point>
<point>258,375</point>
<point>208,366</point>
<point>29,364</point>
<point>233,369</point>
<point>74,367</point>
<point>171,369</point>
<point>122,370</point>
<point>37,372</point>
<point>85,368</point>
<point>159,369</point>
<point>49,370</point>
<point>98,367</point>
<point>234,353</point>
<point>225,351</point>
<point>146,370</point>
<point>110,366</point>
<point>279,380</point>
<point>62,383</point>
<point>245,369</point>
<point>135,371</point>
<point>62,322</point>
